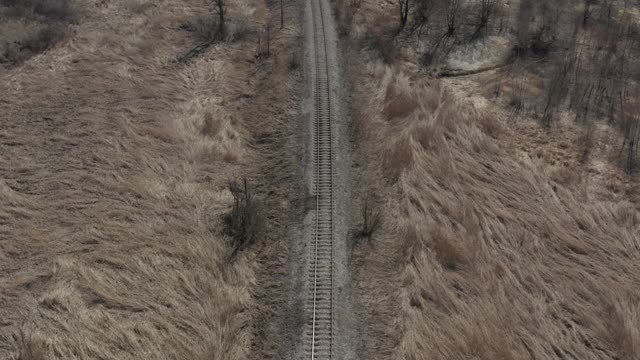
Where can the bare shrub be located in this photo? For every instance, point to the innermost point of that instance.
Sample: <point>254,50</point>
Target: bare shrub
<point>345,11</point>
<point>204,27</point>
<point>587,9</point>
<point>486,10</point>
<point>371,219</point>
<point>423,11</point>
<point>230,157</point>
<point>44,39</point>
<point>523,27</point>
<point>237,30</point>
<point>245,221</point>
<point>49,19</point>
<point>219,9</point>
<point>403,7</point>
<point>453,8</point>
<point>55,10</point>
<point>490,125</point>
<point>210,126</point>
<point>263,45</point>
<point>565,176</point>
<point>59,10</point>
<point>33,44</point>
<point>213,26</point>
<point>294,60</point>
<point>382,46</point>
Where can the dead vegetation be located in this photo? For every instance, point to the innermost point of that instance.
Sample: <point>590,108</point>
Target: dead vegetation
<point>493,229</point>
<point>245,222</point>
<point>371,219</point>
<point>31,27</point>
<point>114,188</point>
<point>510,230</point>
<point>582,54</point>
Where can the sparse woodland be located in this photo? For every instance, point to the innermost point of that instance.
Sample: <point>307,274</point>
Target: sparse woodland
<point>501,139</point>
<point>578,58</point>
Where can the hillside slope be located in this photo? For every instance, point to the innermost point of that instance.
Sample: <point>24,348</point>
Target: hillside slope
<point>115,163</point>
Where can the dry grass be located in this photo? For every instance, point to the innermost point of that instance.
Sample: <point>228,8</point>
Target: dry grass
<point>113,189</point>
<point>489,253</point>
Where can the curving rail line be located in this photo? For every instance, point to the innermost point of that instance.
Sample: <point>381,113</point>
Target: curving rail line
<point>319,334</point>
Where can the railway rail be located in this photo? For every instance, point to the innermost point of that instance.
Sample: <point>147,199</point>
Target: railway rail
<point>318,340</point>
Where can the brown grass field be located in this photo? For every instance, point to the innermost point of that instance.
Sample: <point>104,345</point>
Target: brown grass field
<point>499,239</point>
<point>114,171</point>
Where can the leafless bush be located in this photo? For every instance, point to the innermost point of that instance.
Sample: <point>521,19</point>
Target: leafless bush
<point>538,39</point>
<point>204,27</point>
<point>263,45</point>
<point>33,43</point>
<point>453,8</point>
<point>423,11</point>
<point>219,8</point>
<point>403,7</point>
<point>54,10</point>
<point>371,219</point>
<point>212,26</point>
<point>294,60</point>
<point>44,39</point>
<point>486,9</point>
<point>237,30</point>
<point>523,27</point>
<point>587,10</point>
<point>59,10</point>
<point>516,103</point>
<point>48,18</point>
<point>490,125</point>
<point>345,11</point>
<point>382,46</point>
<point>211,126</point>
<point>245,221</point>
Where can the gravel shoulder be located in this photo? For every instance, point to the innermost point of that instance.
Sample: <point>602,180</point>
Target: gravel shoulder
<point>300,259</point>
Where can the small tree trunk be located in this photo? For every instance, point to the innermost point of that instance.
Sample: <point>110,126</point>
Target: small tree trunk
<point>404,13</point>
<point>268,40</point>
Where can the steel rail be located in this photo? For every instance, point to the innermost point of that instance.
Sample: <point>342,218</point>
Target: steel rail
<point>322,272</point>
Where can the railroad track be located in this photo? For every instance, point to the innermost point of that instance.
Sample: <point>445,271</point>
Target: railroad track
<point>319,330</point>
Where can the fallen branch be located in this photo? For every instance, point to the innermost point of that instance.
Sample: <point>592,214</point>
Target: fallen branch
<point>460,72</point>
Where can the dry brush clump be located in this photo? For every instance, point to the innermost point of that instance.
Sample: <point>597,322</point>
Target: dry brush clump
<point>32,27</point>
<point>245,222</point>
